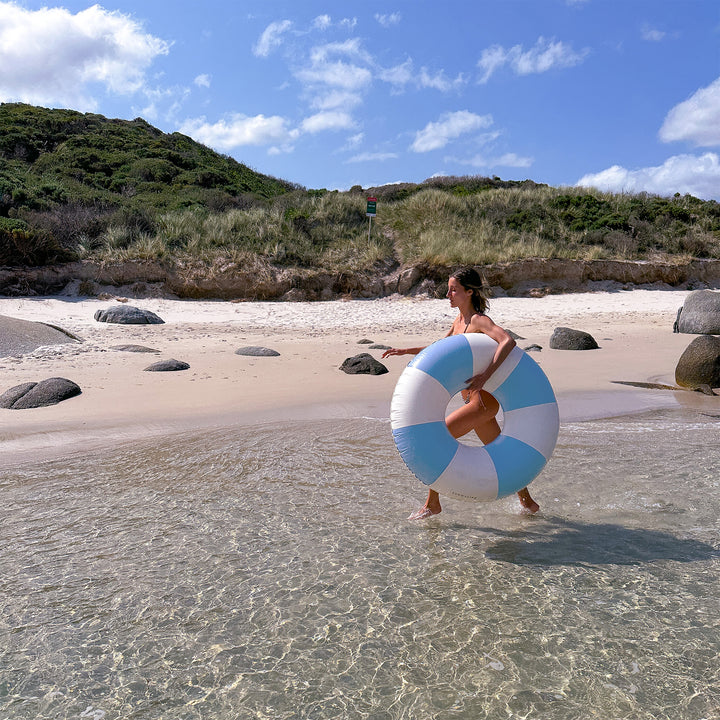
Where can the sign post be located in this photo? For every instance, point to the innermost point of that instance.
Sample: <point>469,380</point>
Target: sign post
<point>371,212</point>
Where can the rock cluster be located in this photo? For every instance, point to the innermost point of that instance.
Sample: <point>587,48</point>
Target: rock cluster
<point>39,394</point>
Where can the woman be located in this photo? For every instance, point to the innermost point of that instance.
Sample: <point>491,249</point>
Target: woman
<point>466,294</point>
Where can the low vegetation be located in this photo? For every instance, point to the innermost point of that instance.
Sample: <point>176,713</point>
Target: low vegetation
<point>78,186</point>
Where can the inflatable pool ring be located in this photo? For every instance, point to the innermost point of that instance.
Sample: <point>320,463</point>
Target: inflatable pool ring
<point>479,473</point>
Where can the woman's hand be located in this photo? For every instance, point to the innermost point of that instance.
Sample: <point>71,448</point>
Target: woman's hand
<point>393,351</point>
<point>476,382</point>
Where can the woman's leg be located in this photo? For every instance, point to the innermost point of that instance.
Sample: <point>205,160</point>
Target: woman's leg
<point>478,414</point>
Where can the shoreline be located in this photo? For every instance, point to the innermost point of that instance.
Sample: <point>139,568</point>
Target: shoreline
<point>122,403</point>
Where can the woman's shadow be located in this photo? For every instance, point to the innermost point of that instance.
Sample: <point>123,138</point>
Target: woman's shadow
<point>563,542</point>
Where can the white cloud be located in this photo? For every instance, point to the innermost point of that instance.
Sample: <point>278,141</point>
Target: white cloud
<point>652,34</point>
<point>238,130</point>
<point>372,157</point>
<point>696,120</point>
<point>337,75</point>
<point>399,75</point>
<point>348,48</point>
<point>51,56</point>
<point>404,74</point>
<point>202,81</point>
<point>696,175</point>
<point>544,56</point>
<point>436,135</point>
<point>329,71</point>
<point>512,160</point>
<point>323,121</point>
<point>388,20</point>
<point>271,37</point>
<point>334,99</point>
<point>507,160</point>
<point>322,22</point>
<point>439,81</point>
<point>492,59</point>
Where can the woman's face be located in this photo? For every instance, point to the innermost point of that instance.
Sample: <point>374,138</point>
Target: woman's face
<point>457,294</point>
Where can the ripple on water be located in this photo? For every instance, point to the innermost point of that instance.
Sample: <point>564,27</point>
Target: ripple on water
<point>269,572</point>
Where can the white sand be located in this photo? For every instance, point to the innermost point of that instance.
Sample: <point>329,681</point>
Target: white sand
<point>121,402</point>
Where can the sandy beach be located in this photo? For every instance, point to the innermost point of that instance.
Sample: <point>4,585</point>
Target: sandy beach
<point>120,402</point>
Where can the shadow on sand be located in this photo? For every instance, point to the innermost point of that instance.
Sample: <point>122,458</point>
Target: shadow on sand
<point>563,542</point>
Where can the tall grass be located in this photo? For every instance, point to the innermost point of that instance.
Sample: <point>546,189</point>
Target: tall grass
<point>446,225</point>
<point>301,230</point>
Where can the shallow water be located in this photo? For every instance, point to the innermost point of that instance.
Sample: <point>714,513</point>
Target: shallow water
<point>270,573</point>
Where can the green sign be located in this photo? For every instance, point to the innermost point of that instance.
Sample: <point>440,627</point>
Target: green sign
<point>371,207</point>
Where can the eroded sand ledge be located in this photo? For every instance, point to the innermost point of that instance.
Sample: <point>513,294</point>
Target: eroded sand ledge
<point>533,277</point>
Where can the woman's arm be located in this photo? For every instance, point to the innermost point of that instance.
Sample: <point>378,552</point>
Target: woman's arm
<point>402,351</point>
<point>414,351</point>
<point>483,324</point>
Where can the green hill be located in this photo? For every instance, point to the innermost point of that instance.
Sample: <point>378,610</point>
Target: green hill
<point>79,186</point>
<point>72,165</point>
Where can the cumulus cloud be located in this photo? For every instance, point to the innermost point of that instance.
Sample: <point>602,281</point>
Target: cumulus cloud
<point>336,74</point>
<point>239,130</point>
<point>697,120</point>
<point>52,56</point>
<point>334,120</point>
<point>202,81</point>
<point>693,174</point>
<point>436,135</point>
<point>271,37</point>
<point>546,55</point>
<point>336,66</point>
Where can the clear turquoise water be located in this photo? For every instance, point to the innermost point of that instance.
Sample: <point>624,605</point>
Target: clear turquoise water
<point>269,572</point>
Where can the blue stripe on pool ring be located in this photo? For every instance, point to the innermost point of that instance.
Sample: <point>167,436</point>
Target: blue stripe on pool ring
<point>450,362</point>
<point>427,449</point>
<point>525,386</point>
<point>515,462</point>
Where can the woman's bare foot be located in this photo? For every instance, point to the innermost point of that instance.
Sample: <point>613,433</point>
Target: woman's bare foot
<point>530,507</point>
<point>431,507</point>
<point>422,513</point>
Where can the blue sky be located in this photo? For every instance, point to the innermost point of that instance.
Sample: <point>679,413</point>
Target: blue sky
<point>620,94</point>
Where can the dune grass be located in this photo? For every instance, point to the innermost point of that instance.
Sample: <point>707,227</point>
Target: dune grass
<point>445,226</point>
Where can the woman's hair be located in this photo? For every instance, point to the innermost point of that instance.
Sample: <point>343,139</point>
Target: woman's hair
<point>470,279</point>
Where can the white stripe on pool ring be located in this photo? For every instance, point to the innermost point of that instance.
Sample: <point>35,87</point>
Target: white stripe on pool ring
<point>511,461</point>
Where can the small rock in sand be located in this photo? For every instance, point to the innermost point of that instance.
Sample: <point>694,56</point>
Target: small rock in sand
<point>128,315</point>
<point>256,351</point>
<point>363,364</point>
<point>134,348</point>
<point>171,365</point>
<point>568,339</point>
